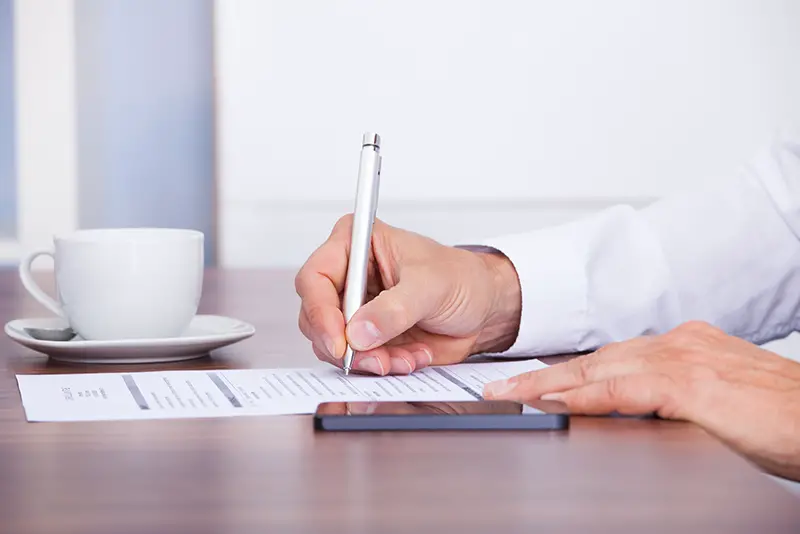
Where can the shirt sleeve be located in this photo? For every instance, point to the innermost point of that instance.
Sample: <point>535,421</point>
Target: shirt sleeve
<point>728,255</point>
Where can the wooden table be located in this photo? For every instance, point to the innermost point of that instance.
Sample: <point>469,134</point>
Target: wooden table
<point>274,474</point>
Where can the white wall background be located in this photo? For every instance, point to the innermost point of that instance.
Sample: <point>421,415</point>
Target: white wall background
<point>45,158</point>
<point>495,114</point>
<point>8,190</point>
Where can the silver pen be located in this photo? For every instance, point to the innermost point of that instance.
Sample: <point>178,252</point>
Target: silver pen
<point>355,288</point>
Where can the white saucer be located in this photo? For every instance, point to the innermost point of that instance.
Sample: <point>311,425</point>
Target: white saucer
<point>205,333</point>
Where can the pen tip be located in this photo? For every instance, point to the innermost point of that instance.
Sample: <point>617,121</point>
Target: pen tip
<point>346,371</point>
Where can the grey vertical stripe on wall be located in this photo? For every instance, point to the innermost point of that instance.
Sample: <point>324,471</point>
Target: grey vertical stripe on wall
<point>145,114</point>
<point>8,195</point>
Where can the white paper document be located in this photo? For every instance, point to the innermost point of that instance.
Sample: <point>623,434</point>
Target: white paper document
<point>225,393</point>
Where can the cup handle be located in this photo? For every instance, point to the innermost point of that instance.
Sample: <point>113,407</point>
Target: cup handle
<point>31,285</point>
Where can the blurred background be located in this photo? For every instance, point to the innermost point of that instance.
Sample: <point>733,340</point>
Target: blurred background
<point>243,118</point>
<point>106,118</point>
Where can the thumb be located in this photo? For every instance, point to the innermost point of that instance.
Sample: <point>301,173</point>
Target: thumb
<point>390,314</point>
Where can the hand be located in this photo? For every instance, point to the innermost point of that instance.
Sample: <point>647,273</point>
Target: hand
<point>427,303</point>
<point>744,395</point>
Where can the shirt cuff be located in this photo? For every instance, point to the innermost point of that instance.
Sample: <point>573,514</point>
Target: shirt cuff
<point>550,266</point>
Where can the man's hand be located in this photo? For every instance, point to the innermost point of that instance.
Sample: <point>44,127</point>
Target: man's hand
<point>428,303</point>
<point>746,396</point>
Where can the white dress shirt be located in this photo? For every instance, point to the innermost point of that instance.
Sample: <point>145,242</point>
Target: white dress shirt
<point>728,255</point>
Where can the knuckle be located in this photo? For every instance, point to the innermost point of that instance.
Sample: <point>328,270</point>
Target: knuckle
<point>379,225</point>
<point>584,367</point>
<point>314,315</point>
<point>669,393</point>
<point>344,223</point>
<point>655,353</point>
<point>689,333</point>
<point>620,391</point>
<point>612,389</point>
<point>524,377</point>
<point>607,350</point>
<point>305,328</point>
<point>320,354</point>
<point>299,281</point>
<point>395,311</point>
<point>696,327</point>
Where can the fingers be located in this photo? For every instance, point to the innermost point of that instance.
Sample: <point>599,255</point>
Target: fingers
<point>323,356</point>
<point>320,325</point>
<point>629,395</point>
<point>621,377</point>
<point>386,360</point>
<point>626,394</point>
<point>422,354</point>
<point>375,362</point>
<point>400,361</point>
<point>393,359</point>
<point>391,313</point>
<point>319,283</point>
<point>611,361</point>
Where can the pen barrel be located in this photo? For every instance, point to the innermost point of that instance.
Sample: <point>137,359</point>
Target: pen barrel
<point>360,242</point>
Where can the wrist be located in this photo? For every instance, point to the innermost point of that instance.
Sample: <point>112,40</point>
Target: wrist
<point>501,326</point>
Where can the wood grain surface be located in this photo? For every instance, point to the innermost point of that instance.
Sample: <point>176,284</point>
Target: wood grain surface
<point>275,474</point>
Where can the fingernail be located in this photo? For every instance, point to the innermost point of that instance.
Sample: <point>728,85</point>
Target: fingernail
<point>498,388</point>
<point>363,335</point>
<point>423,357</point>
<point>400,365</point>
<point>330,346</point>
<point>553,396</point>
<point>371,365</point>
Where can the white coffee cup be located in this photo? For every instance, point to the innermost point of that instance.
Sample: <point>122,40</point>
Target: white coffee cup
<point>124,283</point>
